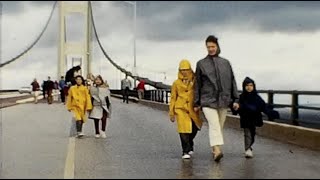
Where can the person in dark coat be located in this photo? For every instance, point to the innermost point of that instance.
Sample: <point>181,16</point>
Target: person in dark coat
<point>71,74</point>
<point>50,88</point>
<point>215,90</point>
<point>70,78</point>
<point>44,88</point>
<point>251,107</point>
<point>62,85</point>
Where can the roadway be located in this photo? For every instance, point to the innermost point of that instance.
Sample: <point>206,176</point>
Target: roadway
<point>140,143</point>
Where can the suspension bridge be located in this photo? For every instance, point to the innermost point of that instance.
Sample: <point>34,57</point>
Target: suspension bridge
<point>37,140</point>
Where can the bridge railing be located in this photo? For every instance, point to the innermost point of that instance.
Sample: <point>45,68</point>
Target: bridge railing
<point>8,90</point>
<point>163,96</point>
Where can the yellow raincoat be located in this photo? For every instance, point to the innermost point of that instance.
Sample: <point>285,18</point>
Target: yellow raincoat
<point>79,101</point>
<point>181,102</point>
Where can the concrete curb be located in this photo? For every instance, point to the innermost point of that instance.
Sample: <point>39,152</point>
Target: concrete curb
<point>300,136</point>
<point>31,99</point>
<point>19,101</point>
<point>132,99</point>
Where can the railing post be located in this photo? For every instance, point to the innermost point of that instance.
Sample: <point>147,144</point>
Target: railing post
<point>167,97</point>
<point>270,100</point>
<point>162,95</point>
<point>153,95</point>
<point>159,94</point>
<point>295,108</point>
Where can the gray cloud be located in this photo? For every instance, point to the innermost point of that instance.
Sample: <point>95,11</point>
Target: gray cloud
<point>50,36</point>
<point>12,7</point>
<point>157,23</point>
<point>19,7</point>
<point>170,21</point>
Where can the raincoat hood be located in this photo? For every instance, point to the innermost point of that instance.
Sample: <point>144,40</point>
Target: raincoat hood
<point>185,64</point>
<point>246,81</point>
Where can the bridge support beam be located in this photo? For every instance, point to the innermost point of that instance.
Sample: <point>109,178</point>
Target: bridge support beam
<point>82,48</point>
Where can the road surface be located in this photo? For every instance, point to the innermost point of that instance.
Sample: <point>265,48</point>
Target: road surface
<point>141,143</point>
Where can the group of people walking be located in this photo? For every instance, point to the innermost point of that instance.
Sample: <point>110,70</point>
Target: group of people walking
<point>126,85</point>
<point>91,96</point>
<point>49,89</point>
<point>212,88</point>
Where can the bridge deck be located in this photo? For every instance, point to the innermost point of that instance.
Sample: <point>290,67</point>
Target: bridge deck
<point>141,143</point>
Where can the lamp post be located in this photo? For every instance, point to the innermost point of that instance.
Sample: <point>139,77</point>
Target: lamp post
<point>134,3</point>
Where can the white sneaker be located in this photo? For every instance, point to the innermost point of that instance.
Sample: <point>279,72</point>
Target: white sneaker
<point>186,156</point>
<point>97,135</point>
<point>249,153</point>
<point>80,134</point>
<point>103,134</point>
<point>191,152</point>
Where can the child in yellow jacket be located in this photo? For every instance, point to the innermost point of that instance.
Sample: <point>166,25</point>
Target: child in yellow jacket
<point>181,108</point>
<point>78,102</point>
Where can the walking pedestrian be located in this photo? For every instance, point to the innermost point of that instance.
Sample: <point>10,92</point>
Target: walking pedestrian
<point>44,88</point>
<point>56,91</point>
<point>50,88</point>
<point>141,89</point>
<point>70,78</point>
<point>251,107</point>
<point>35,90</point>
<point>79,102</point>
<point>90,80</point>
<point>215,91</point>
<point>125,86</point>
<point>181,108</point>
<point>62,85</point>
<point>101,100</point>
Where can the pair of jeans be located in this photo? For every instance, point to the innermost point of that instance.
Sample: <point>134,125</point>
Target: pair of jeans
<point>79,125</point>
<point>187,139</point>
<point>249,135</point>
<point>104,122</point>
<point>62,95</point>
<point>125,94</point>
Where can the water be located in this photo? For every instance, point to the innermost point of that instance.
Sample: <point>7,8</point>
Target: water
<point>307,118</point>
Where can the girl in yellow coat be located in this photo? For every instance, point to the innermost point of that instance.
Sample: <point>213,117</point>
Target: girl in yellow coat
<point>181,108</point>
<point>78,102</point>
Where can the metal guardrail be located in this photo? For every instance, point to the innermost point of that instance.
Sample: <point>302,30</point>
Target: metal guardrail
<point>9,90</point>
<point>163,96</point>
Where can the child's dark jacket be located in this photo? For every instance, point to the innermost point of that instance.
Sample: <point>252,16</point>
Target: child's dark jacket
<point>251,107</point>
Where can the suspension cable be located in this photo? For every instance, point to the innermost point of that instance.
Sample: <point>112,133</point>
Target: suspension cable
<point>34,43</point>
<point>159,85</point>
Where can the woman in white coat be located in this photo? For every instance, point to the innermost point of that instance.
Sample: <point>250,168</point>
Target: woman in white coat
<point>100,95</point>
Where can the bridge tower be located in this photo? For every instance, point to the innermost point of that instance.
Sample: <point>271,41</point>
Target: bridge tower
<point>82,49</point>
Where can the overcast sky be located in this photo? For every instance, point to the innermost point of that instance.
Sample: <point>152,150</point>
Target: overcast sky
<point>275,43</point>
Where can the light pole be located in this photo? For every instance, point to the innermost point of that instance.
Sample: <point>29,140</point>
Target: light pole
<point>134,3</point>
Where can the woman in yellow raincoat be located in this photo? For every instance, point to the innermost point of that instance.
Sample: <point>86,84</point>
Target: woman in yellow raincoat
<point>78,102</point>
<point>181,108</point>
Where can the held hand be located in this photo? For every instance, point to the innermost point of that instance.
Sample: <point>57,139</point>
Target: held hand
<point>196,109</point>
<point>172,119</point>
<point>236,106</point>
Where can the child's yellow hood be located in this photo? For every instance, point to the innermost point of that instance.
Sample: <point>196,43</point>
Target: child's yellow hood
<point>185,64</point>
